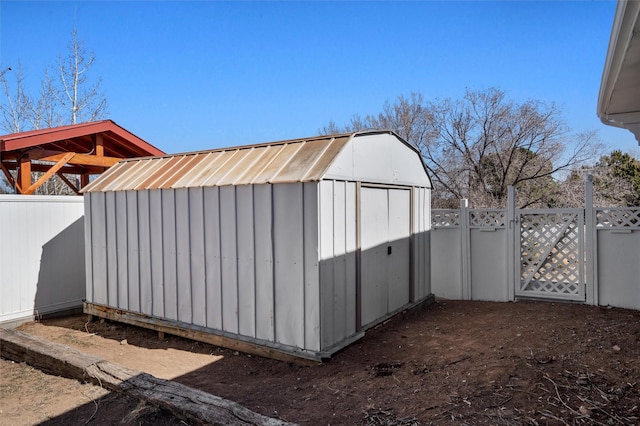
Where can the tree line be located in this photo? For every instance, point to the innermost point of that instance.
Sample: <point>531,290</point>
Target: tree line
<point>477,146</point>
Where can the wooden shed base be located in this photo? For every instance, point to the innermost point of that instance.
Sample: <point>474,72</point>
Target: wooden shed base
<point>239,343</point>
<point>213,337</point>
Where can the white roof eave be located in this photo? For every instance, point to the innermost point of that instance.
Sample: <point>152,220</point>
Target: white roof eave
<point>614,90</point>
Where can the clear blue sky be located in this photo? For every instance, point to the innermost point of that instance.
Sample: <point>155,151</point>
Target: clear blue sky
<point>195,75</point>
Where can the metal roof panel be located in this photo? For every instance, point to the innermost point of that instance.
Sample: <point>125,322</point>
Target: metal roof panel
<point>242,161</point>
<point>270,172</point>
<point>298,160</point>
<point>201,165</point>
<point>262,157</point>
<point>134,175</point>
<point>150,167</point>
<point>173,170</point>
<point>317,170</point>
<point>111,178</point>
<point>225,163</point>
<point>301,161</point>
<point>154,174</point>
<point>188,163</point>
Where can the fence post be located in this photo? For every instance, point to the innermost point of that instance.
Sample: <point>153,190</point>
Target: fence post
<point>590,243</point>
<point>465,248</point>
<point>513,254</point>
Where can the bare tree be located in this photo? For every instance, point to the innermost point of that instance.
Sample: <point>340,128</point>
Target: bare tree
<point>71,97</point>
<point>477,146</point>
<point>80,97</point>
<point>45,112</point>
<point>407,116</point>
<point>14,111</point>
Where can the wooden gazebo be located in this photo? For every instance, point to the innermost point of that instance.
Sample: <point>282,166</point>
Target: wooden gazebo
<point>81,149</point>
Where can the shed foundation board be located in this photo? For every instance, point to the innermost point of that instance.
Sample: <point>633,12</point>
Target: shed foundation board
<point>213,337</point>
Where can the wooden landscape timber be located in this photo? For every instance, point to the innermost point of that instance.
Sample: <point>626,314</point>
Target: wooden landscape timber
<point>191,405</point>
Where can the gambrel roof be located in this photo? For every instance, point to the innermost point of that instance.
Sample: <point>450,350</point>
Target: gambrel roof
<point>342,156</point>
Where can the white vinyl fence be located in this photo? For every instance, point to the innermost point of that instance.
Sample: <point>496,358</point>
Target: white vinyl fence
<point>589,255</point>
<point>41,256</point>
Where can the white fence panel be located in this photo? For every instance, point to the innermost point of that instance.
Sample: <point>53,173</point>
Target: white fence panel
<point>446,254</point>
<point>618,256</point>
<point>469,254</point>
<point>42,260</point>
<point>488,255</point>
<point>588,255</point>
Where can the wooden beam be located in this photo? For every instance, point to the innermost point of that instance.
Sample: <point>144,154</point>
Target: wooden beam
<point>68,169</point>
<point>87,160</point>
<point>99,145</point>
<point>78,159</point>
<point>31,189</point>
<point>11,155</point>
<point>84,179</point>
<point>68,182</point>
<point>24,175</point>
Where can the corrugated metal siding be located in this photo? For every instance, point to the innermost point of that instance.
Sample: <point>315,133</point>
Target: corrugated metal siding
<point>337,261</point>
<point>263,245</point>
<point>205,256</point>
<point>282,162</point>
<point>144,253</point>
<point>421,243</point>
<point>41,255</point>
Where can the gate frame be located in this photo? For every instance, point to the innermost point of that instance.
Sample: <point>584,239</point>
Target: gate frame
<point>590,243</point>
<point>514,269</point>
<point>576,216</point>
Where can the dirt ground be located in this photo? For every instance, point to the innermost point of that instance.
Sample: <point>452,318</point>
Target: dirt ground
<point>453,362</point>
<point>31,397</point>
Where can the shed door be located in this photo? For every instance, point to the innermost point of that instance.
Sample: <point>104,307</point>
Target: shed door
<point>385,230</point>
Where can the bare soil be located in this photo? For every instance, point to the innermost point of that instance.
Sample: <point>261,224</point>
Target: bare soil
<point>454,362</point>
<point>30,397</point>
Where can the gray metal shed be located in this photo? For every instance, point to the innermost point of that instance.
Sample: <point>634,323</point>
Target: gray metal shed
<point>286,248</point>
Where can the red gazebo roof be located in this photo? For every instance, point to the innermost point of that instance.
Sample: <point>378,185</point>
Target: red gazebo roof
<point>82,149</point>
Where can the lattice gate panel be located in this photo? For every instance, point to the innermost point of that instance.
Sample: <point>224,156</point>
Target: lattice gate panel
<point>552,254</point>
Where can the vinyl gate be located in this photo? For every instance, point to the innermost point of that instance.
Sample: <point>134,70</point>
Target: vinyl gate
<point>551,254</point>
<point>585,255</point>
